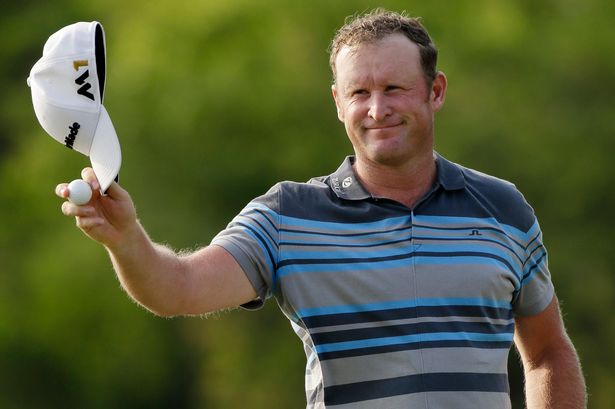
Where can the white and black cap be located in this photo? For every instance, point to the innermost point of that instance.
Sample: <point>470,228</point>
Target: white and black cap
<point>67,86</point>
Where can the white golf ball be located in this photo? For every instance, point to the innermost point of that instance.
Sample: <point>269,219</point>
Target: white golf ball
<point>79,192</point>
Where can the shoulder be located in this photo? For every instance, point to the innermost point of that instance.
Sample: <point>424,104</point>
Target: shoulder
<point>489,185</point>
<point>315,186</point>
<point>500,198</point>
<point>295,197</point>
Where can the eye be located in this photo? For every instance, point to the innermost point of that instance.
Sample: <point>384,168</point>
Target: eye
<point>359,92</point>
<point>391,88</point>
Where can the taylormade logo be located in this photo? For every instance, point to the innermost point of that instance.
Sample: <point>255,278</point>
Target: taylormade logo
<point>69,141</point>
<point>85,86</point>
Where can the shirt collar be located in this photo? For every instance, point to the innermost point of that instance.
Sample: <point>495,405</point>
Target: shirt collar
<point>346,185</point>
<point>450,175</point>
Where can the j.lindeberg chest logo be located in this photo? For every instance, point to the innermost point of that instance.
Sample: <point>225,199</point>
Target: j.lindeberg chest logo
<point>81,80</point>
<point>69,141</point>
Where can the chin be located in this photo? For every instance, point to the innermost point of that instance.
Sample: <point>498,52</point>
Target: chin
<point>388,149</point>
<point>390,158</point>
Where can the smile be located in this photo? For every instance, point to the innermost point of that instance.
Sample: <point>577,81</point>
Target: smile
<point>376,128</point>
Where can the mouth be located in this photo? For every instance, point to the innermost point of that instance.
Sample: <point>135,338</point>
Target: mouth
<point>382,127</point>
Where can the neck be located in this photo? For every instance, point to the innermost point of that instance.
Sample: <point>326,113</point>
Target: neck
<point>406,183</point>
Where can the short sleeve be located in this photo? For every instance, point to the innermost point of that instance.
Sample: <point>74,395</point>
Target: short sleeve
<point>536,290</point>
<point>252,238</point>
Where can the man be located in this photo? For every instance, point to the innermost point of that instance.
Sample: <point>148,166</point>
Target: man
<point>406,276</point>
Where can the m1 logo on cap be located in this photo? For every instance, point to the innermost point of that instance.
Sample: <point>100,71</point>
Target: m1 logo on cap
<point>85,86</point>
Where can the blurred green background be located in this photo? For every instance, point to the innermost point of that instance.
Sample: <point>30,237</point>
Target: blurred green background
<point>215,101</point>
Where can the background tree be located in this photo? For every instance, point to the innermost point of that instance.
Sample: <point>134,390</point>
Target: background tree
<point>216,101</point>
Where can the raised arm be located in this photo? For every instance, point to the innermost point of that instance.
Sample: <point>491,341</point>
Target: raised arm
<point>163,281</point>
<point>553,377</point>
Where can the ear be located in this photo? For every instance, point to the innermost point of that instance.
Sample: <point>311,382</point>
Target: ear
<point>338,105</point>
<point>438,91</point>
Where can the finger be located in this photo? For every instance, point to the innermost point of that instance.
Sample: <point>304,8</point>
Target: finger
<point>71,209</point>
<point>115,191</point>
<point>89,223</point>
<point>89,176</point>
<point>62,190</point>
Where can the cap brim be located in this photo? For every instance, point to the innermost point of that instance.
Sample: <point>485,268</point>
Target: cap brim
<point>105,152</point>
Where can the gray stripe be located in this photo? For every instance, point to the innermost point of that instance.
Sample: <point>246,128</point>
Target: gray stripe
<point>468,400</point>
<point>417,401</point>
<point>466,280</point>
<point>353,369</point>
<point>378,286</point>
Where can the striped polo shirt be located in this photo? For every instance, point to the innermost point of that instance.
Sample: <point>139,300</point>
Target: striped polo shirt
<point>397,307</point>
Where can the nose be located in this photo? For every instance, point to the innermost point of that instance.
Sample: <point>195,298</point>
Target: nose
<point>379,108</point>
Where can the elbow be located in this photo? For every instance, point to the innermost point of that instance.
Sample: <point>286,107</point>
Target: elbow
<point>563,352</point>
<point>163,313</point>
<point>162,310</point>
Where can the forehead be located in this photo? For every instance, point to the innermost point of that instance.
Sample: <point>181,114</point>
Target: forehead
<point>394,57</point>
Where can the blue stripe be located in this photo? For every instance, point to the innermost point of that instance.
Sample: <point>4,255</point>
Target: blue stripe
<point>438,336</point>
<point>262,243</point>
<point>384,224</point>
<point>267,217</point>
<point>532,254</point>
<point>345,266</point>
<point>352,233</point>
<point>534,259</point>
<point>533,270</point>
<point>353,245</point>
<point>474,222</point>
<point>410,303</point>
<point>480,229</point>
<point>345,245</point>
<point>295,266</point>
<point>396,330</point>
<point>534,230</point>
<point>414,346</point>
<point>263,229</point>
<point>472,239</point>
<point>536,238</point>
<point>440,257</point>
<point>321,256</point>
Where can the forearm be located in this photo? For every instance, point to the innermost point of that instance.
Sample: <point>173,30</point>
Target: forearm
<point>556,381</point>
<point>152,274</point>
<point>161,280</point>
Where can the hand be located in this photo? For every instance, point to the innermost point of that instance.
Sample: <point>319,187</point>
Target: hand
<point>108,219</point>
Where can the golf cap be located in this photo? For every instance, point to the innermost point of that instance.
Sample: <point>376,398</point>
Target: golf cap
<point>67,86</point>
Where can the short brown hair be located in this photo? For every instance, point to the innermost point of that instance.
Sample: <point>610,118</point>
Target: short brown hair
<point>378,24</point>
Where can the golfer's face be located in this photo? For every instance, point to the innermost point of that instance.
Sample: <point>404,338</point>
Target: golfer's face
<point>383,100</point>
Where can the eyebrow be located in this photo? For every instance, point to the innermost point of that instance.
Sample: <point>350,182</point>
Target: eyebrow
<point>404,83</point>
